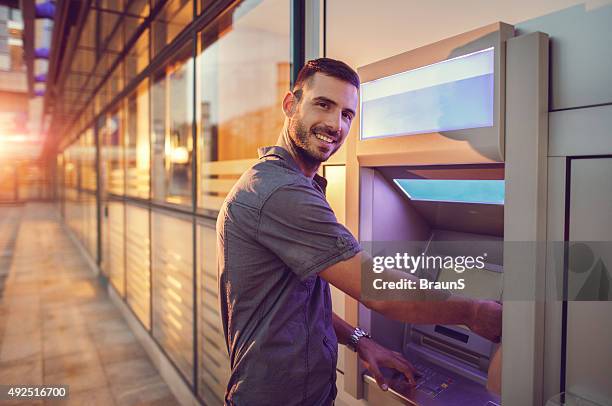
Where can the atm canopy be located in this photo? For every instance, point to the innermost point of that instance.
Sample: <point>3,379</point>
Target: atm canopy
<point>464,198</point>
<point>478,191</point>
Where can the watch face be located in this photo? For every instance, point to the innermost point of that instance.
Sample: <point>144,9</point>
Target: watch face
<point>361,333</point>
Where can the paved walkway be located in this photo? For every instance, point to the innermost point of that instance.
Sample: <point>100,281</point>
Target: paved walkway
<point>57,324</point>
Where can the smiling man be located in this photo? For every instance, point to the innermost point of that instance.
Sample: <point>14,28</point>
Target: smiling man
<point>279,247</point>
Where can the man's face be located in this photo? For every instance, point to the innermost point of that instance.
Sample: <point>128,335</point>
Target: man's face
<point>320,122</point>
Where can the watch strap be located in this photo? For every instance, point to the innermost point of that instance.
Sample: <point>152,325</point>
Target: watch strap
<point>357,335</point>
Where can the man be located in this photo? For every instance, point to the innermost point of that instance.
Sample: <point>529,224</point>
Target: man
<point>279,245</point>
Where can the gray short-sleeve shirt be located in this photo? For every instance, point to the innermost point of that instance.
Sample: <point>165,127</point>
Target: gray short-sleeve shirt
<point>275,232</point>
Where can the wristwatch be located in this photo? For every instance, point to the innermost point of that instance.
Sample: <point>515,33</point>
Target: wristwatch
<point>357,335</point>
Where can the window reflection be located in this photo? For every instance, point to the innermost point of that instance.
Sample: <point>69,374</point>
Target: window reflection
<point>115,82</point>
<point>137,263</point>
<point>114,256</point>
<point>137,152</point>
<point>203,5</point>
<point>114,5</point>
<point>138,57</point>
<point>88,161</point>
<point>70,174</point>
<point>137,7</point>
<point>172,275</point>
<point>214,366</point>
<point>170,21</point>
<point>117,41</point>
<point>244,72</point>
<point>112,154</point>
<point>172,118</point>
<point>79,182</point>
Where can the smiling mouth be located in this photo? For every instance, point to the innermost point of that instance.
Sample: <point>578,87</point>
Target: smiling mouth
<point>324,138</point>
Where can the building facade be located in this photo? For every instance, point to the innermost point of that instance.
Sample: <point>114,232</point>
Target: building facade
<point>158,106</point>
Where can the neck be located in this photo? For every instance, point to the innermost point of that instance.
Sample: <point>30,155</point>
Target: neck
<point>307,165</point>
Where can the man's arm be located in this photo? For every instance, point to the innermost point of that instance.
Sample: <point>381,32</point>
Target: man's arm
<point>343,329</point>
<point>482,317</point>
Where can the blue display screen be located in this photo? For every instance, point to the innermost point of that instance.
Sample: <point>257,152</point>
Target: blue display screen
<point>483,191</point>
<point>455,94</point>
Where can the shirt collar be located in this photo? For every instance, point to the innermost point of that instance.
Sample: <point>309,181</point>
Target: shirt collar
<point>285,156</point>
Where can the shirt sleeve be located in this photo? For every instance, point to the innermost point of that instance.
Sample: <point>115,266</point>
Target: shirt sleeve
<point>297,224</point>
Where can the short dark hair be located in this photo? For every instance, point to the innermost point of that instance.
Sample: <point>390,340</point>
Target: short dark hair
<point>327,66</point>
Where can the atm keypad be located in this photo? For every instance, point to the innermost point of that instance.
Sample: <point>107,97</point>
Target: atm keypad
<point>431,382</point>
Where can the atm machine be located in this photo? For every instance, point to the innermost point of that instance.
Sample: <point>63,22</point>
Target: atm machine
<point>429,167</point>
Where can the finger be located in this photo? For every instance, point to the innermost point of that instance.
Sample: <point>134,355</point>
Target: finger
<point>402,365</point>
<point>415,372</point>
<point>378,376</point>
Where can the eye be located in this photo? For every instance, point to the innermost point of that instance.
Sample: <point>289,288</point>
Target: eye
<point>322,104</point>
<point>347,115</point>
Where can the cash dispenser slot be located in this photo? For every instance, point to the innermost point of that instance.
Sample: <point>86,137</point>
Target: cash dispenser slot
<point>460,215</point>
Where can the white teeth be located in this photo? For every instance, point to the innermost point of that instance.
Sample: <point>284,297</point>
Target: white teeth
<point>324,138</point>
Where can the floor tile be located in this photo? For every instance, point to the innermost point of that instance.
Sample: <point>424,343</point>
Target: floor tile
<point>57,323</point>
<point>18,346</point>
<point>23,371</point>
<point>94,397</point>
<point>113,353</point>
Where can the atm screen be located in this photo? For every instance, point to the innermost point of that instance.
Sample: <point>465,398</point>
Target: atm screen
<point>478,191</point>
<point>454,94</point>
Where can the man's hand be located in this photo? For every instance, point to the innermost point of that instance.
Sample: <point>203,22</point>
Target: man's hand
<point>375,356</point>
<point>494,375</point>
<point>487,320</point>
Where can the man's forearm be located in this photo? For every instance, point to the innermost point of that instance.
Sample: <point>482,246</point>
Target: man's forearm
<point>418,305</point>
<point>450,311</point>
<point>343,329</point>
<point>424,306</point>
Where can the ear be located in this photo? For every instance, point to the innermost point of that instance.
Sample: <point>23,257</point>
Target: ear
<point>289,104</point>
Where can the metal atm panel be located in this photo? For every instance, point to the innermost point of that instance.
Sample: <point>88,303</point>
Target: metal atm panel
<point>589,325</point>
<point>455,371</point>
<point>452,360</point>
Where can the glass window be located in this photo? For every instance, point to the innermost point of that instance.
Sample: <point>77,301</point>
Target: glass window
<point>103,96</point>
<point>70,172</point>
<point>87,37</point>
<point>137,262</point>
<point>91,233</point>
<point>114,5</point>
<point>138,57</point>
<point>170,21</point>
<point>172,268</point>
<point>112,162</point>
<point>88,170</point>
<point>99,71</point>
<point>137,152</point>
<point>115,245</point>
<point>137,8</point>
<point>171,121</point>
<point>115,82</point>
<point>213,364</point>
<point>58,182</point>
<point>203,5</point>
<point>243,72</point>
<point>116,43</point>
<point>107,26</point>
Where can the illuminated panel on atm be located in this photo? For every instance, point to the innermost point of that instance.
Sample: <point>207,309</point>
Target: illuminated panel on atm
<point>454,94</point>
<point>483,191</point>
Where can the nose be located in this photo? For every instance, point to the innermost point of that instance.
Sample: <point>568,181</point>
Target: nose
<point>333,123</point>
